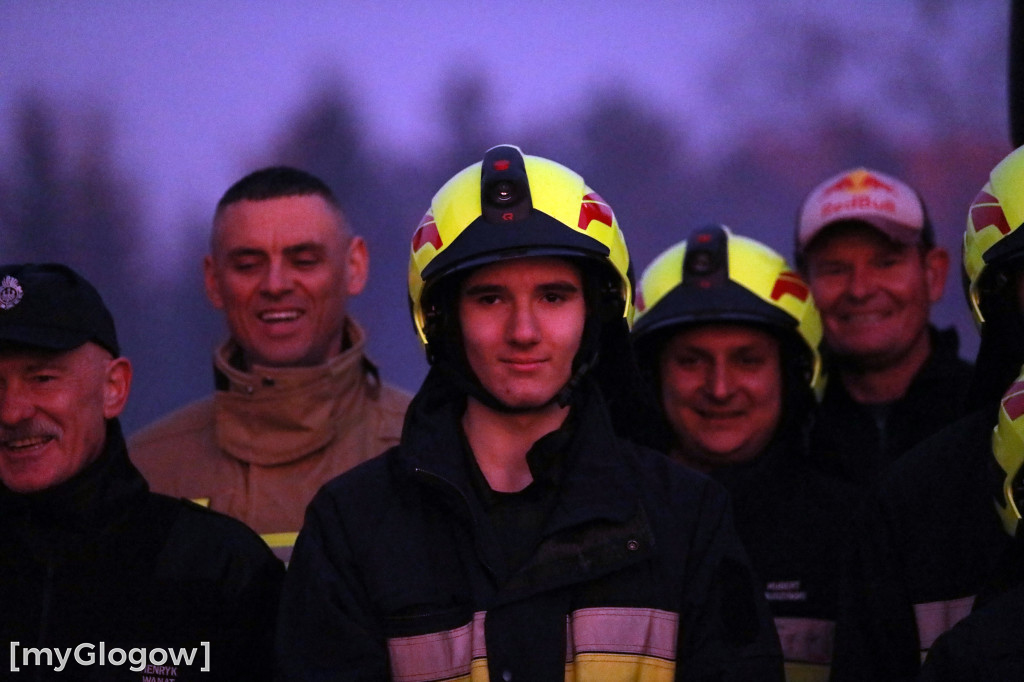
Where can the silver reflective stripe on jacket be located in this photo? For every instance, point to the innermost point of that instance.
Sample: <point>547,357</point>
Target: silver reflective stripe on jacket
<point>936,617</point>
<point>602,644</point>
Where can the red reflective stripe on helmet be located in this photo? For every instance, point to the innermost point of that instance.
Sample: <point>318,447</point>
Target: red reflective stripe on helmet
<point>1013,402</point>
<point>985,211</point>
<point>425,233</point>
<point>790,283</point>
<point>595,208</point>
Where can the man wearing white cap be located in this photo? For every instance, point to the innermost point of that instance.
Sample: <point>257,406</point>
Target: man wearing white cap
<point>867,248</point>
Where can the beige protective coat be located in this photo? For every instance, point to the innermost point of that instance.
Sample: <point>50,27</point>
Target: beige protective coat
<point>260,450</point>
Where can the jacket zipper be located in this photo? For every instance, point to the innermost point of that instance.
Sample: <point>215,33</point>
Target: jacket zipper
<point>44,617</point>
<point>465,501</point>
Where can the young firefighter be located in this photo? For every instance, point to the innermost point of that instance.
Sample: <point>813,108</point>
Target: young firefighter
<point>728,336</point>
<point>513,534</point>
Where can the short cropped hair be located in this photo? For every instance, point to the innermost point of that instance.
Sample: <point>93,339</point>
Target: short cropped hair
<point>275,182</point>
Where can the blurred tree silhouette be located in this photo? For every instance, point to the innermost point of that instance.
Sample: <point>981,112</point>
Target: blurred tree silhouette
<point>635,159</point>
<point>467,120</point>
<point>64,199</point>
<point>326,137</point>
<point>826,96</point>
<point>790,98</point>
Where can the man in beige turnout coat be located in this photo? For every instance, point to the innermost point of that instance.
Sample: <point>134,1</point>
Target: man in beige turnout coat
<point>296,402</point>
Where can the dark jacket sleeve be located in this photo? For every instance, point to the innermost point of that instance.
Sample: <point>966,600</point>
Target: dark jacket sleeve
<point>230,582</point>
<point>249,639</point>
<point>876,630</point>
<point>946,662</point>
<point>326,630</point>
<point>987,644</point>
<point>727,632</point>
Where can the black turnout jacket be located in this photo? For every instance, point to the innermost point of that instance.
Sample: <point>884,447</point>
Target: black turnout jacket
<point>794,520</point>
<point>854,442</point>
<point>636,571</point>
<point>98,564</point>
<point>925,544</point>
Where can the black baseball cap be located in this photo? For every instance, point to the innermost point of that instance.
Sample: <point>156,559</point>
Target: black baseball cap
<point>50,306</point>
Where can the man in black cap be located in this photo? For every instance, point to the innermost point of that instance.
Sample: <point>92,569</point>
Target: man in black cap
<point>99,577</point>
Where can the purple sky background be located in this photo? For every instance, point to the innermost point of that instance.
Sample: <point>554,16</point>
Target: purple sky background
<point>197,89</point>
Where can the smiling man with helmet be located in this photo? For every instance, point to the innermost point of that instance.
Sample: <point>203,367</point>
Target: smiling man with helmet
<point>924,551</point>
<point>728,336</point>
<point>514,534</point>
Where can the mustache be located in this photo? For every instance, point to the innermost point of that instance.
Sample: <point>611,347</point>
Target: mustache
<point>26,431</point>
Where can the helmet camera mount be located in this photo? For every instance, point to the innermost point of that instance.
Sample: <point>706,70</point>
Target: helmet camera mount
<point>706,264</point>
<point>504,187</point>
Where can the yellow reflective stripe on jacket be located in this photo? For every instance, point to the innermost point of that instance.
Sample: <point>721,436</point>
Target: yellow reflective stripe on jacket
<point>281,544</point>
<point>619,668</point>
<point>806,672</point>
<point>936,617</point>
<point>806,647</point>
<point>275,540</point>
<point>622,644</point>
<point>602,645</point>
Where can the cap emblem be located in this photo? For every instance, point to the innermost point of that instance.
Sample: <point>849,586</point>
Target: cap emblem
<point>858,182</point>
<point>10,293</point>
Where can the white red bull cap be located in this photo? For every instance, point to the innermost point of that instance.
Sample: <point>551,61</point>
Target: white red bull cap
<point>867,196</point>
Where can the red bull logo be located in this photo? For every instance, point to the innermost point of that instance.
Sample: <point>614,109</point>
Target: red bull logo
<point>858,191</point>
<point>594,207</point>
<point>790,283</point>
<point>986,211</point>
<point>858,182</point>
<point>426,233</point>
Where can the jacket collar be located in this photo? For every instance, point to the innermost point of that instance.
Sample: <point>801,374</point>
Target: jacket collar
<point>597,481</point>
<point>95,497</point>
<point>944,349</point>
<point>272,415</point>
